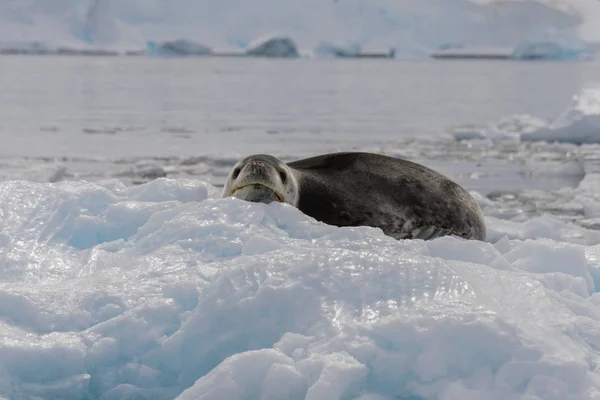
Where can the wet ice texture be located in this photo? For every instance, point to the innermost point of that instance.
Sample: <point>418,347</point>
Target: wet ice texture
<point>164,291</point>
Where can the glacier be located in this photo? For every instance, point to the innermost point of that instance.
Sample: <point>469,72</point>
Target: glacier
<point>127,26</point>
<point>165,290</point>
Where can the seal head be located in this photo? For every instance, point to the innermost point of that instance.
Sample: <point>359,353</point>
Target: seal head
<point>262,178</point>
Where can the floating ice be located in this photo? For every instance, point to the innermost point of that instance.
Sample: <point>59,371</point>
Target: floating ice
<point>579,123</point>
<point>166,291</point>
<point>508,128</point>
<point>550,44</point>
<point>178,47</point>
<point>541,51</point>
<point>143,171</point>
<point>273,46</point>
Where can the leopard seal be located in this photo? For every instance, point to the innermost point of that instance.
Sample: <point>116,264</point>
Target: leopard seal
<point>404,199</point>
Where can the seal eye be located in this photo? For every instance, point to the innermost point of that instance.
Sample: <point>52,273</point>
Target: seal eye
<point>236,172</point>
<point>283,177</point>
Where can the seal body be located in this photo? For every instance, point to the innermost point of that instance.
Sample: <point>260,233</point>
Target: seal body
<point>404,199</point>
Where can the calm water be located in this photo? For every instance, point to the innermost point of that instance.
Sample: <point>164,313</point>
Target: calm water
<point>107,109</point>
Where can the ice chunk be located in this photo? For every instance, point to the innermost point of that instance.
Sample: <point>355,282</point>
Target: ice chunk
<point>579,123</point>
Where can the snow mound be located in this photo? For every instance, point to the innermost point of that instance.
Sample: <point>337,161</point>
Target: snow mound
<point>273,46</point>
<point>164,290</point>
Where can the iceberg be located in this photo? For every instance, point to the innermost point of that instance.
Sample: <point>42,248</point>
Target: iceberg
<point>551,44</point>
<point>179,47</point>
<point>273,46</point>
<point>462,52</point>
<point>542,51</point>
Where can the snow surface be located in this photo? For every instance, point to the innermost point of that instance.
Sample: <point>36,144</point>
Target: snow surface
<point>163,290</point>
<point>414,28</point>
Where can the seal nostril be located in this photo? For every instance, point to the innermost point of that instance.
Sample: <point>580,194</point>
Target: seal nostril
<point>236,172</point>
<point>283,176</point>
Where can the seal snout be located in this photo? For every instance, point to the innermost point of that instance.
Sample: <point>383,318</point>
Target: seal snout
<point>258,167</point>
<point>257,170</point>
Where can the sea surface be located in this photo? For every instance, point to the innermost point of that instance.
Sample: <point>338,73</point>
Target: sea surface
<point>135,119</point>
